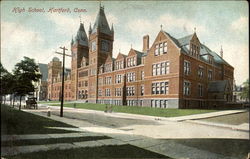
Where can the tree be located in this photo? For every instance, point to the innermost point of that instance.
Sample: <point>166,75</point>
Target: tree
<point>245,91</point>
<point>6,79</point>
<point>25,73</point>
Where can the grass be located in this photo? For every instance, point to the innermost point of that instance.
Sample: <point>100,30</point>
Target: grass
<point>232,119</point>
<point>43,102</point>
<point>237,148</point>
<point>122,151</point>
<point>140,110</point>
<point>52,141</point>
<point>14,121</point>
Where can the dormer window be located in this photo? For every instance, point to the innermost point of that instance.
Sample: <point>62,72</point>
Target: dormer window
<point>210,59</point>
<point>194,50</point>
<point>118,65</point>
<point>131,62</point>
<point>107,67</point>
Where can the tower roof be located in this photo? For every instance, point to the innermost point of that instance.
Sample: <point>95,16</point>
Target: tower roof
<point>81,36</point>
<point>101,23</point>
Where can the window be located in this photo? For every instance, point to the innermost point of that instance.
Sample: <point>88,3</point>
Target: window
<point>200,90</point>
<point>153,88</point>
<point>131,61</point>
<point>160,88</point>
<point>187,87</point>
<point>107,80</point>
<point>130,91</point>
<point>210,59</point>
<point>154,70</point>
<point>163,103</point>
<point>160,68</point>
<point>93,46</point>
<point>160,48</point>
<point>200,71</point>
<point>83,73</point>
<point>118,65</point>
<point>187,68</point>
<point>130,76</point>
<point>107,67</point>
<point>156,50</point>
<point>118,91</point>
<point>118,78</point>
<point>165,49</point>
<point>142,90</point>
<point>107,92</point>
<point>142,75</point>
<point>105,45</point>
<point>100,80</point>
<point>99,92</point>
<point>210,74</point>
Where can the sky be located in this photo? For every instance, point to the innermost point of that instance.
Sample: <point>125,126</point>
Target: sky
<point>39,34</point>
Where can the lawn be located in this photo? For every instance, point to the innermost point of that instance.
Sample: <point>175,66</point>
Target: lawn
<point>235,148</point>
<point>44,102</point>
<point>232,119</point>
<point>123,151</point>
<point>139,110</point>
<point>18,122</point>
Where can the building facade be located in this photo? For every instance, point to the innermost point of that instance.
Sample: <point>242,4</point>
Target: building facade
<point>170,73</point>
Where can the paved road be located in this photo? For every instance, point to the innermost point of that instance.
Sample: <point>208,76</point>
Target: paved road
<point>171,138</point>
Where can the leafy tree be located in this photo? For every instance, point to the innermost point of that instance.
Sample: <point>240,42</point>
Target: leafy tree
<point>25,73</point>
<point>245,91</point>
<point>6,79</point>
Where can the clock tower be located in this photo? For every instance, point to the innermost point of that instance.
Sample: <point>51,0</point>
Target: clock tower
<point>101,45</point>
<point>80,54</point>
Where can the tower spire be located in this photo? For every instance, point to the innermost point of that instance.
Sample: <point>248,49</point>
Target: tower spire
<point>112,28</point>
<point>221,52</point>
<point>101,23</point>
<point>72,41</point>
<point>90,29</point>
<point>80,19</point>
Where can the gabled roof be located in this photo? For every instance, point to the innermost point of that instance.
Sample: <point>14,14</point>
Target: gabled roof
<point>121,55</point>
<point>109,59</point>
<point>81,36</point>
<point>138,53</point>
<point>204,50</point>
<point>185,40</point>
<point>101,23</point>
<point>43,68</point>
<point>217,86</point>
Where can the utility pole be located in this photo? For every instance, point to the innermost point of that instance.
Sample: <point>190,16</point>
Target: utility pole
<point>62,92</point>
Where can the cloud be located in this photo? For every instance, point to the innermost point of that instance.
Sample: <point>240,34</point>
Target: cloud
<point>68,25</point>
<point>169,22</point>
<point>240,25</point>
<point>18,41</point>
<point>112,19</point>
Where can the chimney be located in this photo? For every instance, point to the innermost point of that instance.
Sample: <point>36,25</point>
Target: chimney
<point>145,43</point>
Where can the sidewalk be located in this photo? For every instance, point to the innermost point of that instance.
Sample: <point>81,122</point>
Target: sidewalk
<point>163,120</point>
<point>120,137</point>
